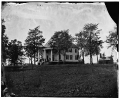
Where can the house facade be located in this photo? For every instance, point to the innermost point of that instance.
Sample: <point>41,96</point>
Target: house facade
<point>49,54</point>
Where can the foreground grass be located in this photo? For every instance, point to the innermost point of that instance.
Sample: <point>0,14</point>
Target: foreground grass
<point>64,81</point>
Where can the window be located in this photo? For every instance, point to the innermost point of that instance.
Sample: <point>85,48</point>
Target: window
<point>67,56</point>
<point>75,50</point>
<point>70,50</point>
<point>71,57</point>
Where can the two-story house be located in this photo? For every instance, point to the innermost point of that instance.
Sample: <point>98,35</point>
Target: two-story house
<point>48,54</point>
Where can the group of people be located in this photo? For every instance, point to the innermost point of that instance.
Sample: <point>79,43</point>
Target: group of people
<point>42,61</point>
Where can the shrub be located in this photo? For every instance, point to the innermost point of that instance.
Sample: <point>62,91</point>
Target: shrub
<point>105,62</point>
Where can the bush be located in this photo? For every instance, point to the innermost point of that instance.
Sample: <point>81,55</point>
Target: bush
<point>105,62</point>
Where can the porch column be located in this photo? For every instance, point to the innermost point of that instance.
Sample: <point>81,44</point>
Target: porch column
<point>44,54</point>
<point>51,55</point>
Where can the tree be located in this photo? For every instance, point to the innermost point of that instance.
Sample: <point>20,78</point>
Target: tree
<point>4,42</point>
<point>29,52</point>
<point>93,44</point>
<point>14,51</point>
<point>81,42</point>
<point>33,41</point>
<point>96,46</point>
<point>89,41</point>
<point>112,39</point>
<point>4,50</point>
<point>61,41</point>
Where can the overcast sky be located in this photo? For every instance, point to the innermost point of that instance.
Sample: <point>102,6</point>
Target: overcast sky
<point>55,17</point>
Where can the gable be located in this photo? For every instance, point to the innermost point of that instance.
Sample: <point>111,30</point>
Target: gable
<point>47,44</point>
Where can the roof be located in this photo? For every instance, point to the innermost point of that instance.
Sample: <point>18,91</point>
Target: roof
<point>74,46</point>
<point>47,44</point>
<point>41,46</point>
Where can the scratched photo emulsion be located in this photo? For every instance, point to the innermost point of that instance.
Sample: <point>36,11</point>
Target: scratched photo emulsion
<point>53,49</point>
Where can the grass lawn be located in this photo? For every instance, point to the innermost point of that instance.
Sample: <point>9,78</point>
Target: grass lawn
<point>64,81</point>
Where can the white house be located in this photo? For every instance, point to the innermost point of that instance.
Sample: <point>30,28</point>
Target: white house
<point>48,54</point>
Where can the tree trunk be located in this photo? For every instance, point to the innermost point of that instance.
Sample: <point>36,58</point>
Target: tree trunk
<point>91,59</point>
<point>34,50</point>
<point>34,58</point>
<point>64,57</point>
<point>14,63</point>
<point>90,51</point>
<point>97,58</point>
<point>31,60</point>
<point>83,57</point>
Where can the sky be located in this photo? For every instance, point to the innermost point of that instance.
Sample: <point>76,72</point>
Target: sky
<point>51,17</point>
